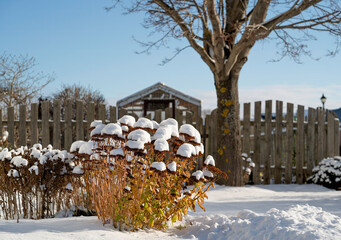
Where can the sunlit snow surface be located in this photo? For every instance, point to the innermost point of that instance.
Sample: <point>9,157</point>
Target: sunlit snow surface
<point>253,212</point>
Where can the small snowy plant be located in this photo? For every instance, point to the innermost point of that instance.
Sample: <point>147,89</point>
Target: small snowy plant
<point>33,181</point>
<point>141,174</point>
<point>4,140</point>
<point>327,173</point>
<point>248,165</point>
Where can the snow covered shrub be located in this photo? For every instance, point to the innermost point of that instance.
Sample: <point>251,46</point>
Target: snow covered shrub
<point>33,181</point>
<point>248,165</point>
<point>327,173</point>
<point>141,174</point>
<point>4,140</point>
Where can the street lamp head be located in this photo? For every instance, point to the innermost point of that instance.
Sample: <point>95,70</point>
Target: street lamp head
<point>323,99</point>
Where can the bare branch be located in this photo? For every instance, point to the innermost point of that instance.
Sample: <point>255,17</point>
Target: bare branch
<point>19,82</point>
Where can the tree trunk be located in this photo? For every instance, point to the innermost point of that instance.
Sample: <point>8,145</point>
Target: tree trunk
<point>228,157</point>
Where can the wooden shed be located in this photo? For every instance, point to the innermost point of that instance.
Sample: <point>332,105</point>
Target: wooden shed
<point>160,97</point>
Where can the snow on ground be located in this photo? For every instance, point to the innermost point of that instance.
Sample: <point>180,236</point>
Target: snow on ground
<point>252,212</point>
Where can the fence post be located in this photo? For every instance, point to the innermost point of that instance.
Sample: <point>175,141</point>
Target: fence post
<point>330,134</point>
<point>79,120</point>
<point>56,124</point>
<point>189,117</point>
<point>112,116</point>
<point>34,123</point>
<point>0,122</point>
<point>311,140</point>
<point>290,142</point>
<point>68,124</point>
<point>214,130</point>
<point>278,154</point>
<point>169,112</point>
<point>22,126</point>
<point>10,125</point>
<point>157,116</point>
<point>300,144</point>
<point>90,118</point>
<point>336,137</point>
<point>122,112</point>
<point>246,129</point>
<point>268,142</point>
<point>320,134</point>
<point>148,116</point>
<point>178,116</point>
<point>208,138</point>
<point>102,112</point>
<point>257,140</point>
<point>45,115</point>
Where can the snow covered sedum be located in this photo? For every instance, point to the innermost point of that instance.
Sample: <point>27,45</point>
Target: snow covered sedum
<point>328,173</point>
<point>139,174</point>
<point>33,181</point>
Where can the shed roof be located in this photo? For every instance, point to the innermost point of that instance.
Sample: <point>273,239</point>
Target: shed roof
<point>158,86</point>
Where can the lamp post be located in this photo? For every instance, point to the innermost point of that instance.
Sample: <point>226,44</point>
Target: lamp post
<point>323,101</point>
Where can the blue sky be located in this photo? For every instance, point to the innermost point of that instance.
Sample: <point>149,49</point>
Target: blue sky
<point>80,42</point>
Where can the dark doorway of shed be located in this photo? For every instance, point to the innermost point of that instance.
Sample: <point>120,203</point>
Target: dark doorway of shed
<point>151,105</point>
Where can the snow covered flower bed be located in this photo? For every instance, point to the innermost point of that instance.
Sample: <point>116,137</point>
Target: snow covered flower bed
<point>141,174</point>
<point>279,211</point>
<point>328,173</point>
<point>33,181</point>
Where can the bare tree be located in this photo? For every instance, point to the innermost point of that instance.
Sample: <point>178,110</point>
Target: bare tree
<point>19,82</point>
<point>77,92</point>
<point>223,32</point>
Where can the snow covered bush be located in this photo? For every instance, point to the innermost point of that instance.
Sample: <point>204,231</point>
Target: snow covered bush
<point>327,173</point>
<point>33,181</point>
<point>141,174</point>
<point>248,165</point>
<point>4,140</point>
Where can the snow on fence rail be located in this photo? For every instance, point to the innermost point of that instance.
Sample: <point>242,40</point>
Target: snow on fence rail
<point>282,148</point>
<point>287,147</point>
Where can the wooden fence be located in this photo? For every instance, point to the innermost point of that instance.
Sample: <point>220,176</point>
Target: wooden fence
<point>285,149</point>
<point>49,127</point>
<point>282,148</point>
<point>51,123</point>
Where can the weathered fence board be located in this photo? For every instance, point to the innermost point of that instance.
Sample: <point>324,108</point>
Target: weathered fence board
<point>56,124</point>
<point>112,113</point>
<point>289,142</point>
<point>320,133</point>
<point>34,123</point>
<point>101,112</point>
<point>22,125</point>
<point>1,120</point>
<point>207,134</point>
<point>268,141</point>
<point>169,113</point>
<point>45,123</point>
<point>330,134</point>
<point>311,141</point>
<point>189,117</point>
<point>246,128</point>
<point>278,142</point>
<point>300,144</point>
<point>79,120</point>
<point>10,125</point>
<point>257,142</point>
<point>337,136</point>
<point>68,124</point>
<point>90,117</point>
